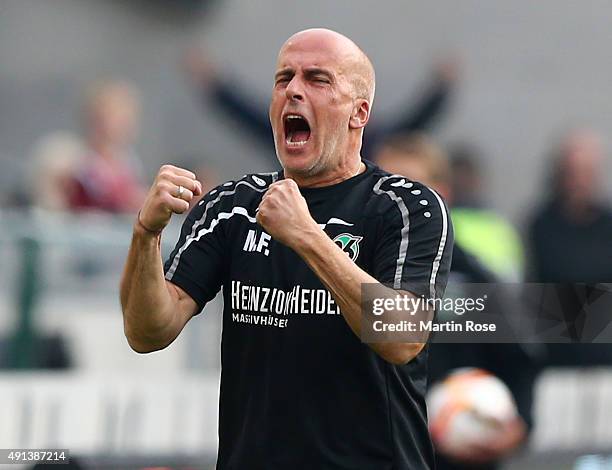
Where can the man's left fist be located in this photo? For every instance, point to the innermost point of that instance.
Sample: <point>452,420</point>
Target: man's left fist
<point>284,214</point>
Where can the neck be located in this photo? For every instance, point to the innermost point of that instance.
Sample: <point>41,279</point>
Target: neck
<point>341,172</point>
<point>347,165</point>
<point>103,147</point>
<point>579,211</point>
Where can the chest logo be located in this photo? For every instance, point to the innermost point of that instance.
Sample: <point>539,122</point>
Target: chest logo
<point>349,244</point>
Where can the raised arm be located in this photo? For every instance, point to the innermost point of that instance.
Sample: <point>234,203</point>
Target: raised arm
<point>155,310</point>
<point>236,103</point>
<point>232,99</point>
<point>431,104</point>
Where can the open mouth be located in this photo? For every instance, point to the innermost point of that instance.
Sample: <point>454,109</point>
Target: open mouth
<point>297,130</point>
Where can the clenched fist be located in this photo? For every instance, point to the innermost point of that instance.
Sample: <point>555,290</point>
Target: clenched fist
<point>284,214</point>
<point>171,192</point>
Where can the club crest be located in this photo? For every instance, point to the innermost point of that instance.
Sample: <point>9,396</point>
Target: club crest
<point>349,244</point>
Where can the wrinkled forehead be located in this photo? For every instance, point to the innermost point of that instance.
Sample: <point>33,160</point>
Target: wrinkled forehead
<point>315,52</point>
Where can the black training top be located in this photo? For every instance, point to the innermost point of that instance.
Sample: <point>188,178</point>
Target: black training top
<point>299,390</point>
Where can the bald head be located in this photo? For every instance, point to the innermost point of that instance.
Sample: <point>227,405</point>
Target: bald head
<point>320,105</point>
<point>355,63</point>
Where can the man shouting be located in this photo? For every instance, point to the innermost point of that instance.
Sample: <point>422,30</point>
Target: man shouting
<point>292,250</point>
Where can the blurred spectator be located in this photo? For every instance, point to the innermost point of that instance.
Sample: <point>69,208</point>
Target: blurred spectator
<point>480,230</point>
<point>467,182</point>
<point>570,239</point>
<point>571,233</point>
<point>52,164</point>
<point>238,104</point>
<point>107,178</point>
<point>419,158</point>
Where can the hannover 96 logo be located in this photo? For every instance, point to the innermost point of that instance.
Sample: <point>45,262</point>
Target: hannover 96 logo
<point>349,244</point>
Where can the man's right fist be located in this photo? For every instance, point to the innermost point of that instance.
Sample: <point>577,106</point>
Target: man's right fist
<point>172,191</point>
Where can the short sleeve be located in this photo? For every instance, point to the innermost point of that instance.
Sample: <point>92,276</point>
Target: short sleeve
<point>415,241</point>
<point>196,262</point>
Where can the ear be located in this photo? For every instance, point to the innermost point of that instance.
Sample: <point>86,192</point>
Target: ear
<point>361,114</point>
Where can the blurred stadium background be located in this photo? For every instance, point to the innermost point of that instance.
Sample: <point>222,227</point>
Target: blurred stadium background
<point>518,79</point>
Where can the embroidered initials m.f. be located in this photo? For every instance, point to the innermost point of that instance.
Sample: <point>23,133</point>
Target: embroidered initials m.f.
<point>252,244</point>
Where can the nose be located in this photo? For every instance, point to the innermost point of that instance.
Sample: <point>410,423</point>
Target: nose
<point>294,91</point>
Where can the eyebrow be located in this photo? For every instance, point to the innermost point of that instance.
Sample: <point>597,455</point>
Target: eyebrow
<point>310,71</point>
<point>283,73</point>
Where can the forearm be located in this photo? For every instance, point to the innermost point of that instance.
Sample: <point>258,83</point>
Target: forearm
<point>432,104</point>
<point>242,109</point>
<point>344,279</point>
<point>148,305</point>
